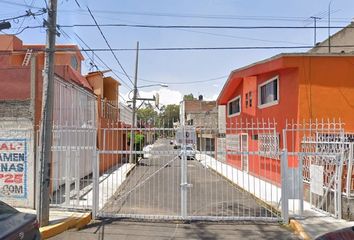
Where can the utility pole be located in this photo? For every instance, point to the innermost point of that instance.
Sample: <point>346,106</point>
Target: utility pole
<point>315,29</point>
<point>329,27</point>
<point>47,116</point>
<point>132,131</point>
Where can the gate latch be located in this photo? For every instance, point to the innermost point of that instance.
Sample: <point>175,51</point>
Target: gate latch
<point>186,185</point>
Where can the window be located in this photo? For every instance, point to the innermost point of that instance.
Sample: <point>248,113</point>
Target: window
<point>268,145</point>
<point>233,142</point>
<point>74,62</point>
<point>268,93</point>
<point>248,99</point>
<point>234,106</point>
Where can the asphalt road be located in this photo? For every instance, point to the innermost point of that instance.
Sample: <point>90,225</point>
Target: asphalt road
<point>153,189</point>
<point>161,231</point>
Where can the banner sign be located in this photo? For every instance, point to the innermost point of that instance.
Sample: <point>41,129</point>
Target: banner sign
<point>189,136</point>
<point>13,168</point>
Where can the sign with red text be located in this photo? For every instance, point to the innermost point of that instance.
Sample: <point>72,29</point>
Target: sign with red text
<point>13,168</point>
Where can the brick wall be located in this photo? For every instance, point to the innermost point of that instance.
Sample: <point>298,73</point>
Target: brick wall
<point>15,109</point>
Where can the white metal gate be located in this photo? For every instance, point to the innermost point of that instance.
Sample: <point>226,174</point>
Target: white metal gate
<point>173,180</point>
<point>266,178</point>
<point>316,153</point>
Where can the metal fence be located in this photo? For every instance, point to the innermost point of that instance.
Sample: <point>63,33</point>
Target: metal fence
<point>319,155</point>
<point>257,170</point>
<point>73,146</point>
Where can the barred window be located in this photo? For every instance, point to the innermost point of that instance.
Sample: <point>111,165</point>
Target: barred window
<point>268,145</point>
<point>233,142</point>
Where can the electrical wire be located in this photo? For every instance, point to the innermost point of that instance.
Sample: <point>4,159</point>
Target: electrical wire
<point>186,82</point>
<point>109,46</point>
<point>200,26</point>
<point>191,48</point>
<point>201,16</point>
<point>66,35</point>
<point>103,62</point>
<point>29,13</point>
<point>205,48</point>
<point>19,4</point>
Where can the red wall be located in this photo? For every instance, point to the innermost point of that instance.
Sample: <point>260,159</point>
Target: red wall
<point>15,83</point>
<point>263,167</point>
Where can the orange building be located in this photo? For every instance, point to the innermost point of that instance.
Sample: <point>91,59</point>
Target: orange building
<point>107,89</point>
<point>21,69</point>
<point>287,87</point>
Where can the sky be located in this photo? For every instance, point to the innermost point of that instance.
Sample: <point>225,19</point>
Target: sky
<point>197,72</point>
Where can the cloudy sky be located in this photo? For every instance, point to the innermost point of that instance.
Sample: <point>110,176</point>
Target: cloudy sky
<point>197,72</point>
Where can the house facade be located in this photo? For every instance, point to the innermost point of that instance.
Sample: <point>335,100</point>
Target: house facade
<point>281,89</point>
<point>83,106</point>
<point>203,115</point>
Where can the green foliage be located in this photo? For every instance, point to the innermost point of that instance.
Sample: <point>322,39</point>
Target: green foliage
<point>189,97</point>
<point>168,115</point>
<point>165,118</point>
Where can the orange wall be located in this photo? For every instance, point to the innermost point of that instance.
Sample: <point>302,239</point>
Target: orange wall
<point>310,87</point>
<point>327,89</point>
<point>288,98</point>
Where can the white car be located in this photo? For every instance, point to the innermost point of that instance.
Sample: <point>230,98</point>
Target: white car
<point>146,150</point>
<point>190,153</point>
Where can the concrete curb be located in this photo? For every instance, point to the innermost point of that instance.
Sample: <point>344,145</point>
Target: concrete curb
<point>298,229</point>
<point>70,222</point>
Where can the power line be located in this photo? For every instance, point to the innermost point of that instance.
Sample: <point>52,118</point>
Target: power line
<point>98,57</point>
<point>200,16</point>
<point>188,48</point>
<point>101,60</point>
<point>114,55</point>
<point>29,13</point>
<point>199,26</point>
<point>186,82</point>
<point>203,48</point>
<point>19,4</point>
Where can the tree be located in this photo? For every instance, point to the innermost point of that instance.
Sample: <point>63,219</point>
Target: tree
<point>146,114</point>
<point>169,115</point>
<point>189,97</point>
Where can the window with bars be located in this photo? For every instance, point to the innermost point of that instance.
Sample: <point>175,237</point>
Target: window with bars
<point>268,145</point>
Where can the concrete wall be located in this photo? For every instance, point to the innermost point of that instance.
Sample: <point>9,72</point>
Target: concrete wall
<point>344,37</point>
<point>17,162</point>
<point>15,109</point>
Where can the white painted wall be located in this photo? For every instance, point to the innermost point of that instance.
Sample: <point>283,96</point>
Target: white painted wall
<point>17,174</point>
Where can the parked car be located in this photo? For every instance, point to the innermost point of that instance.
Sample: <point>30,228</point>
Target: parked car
<point>342,234</point>
<point>146,151</point>
<point>190,153</point>
<point>17,225</point>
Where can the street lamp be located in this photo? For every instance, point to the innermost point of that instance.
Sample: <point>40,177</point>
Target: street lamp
<point>154,85</point>
<point>132,135</point>
<point>135,91</point>
<point>5,25</point>
<point>145,86</point>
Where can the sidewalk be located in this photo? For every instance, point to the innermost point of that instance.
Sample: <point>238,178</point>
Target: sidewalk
<point>313,222</point>
<point>62,220</point>
<point>316,224</point>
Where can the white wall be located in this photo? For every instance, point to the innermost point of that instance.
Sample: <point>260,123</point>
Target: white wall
<point>17,162</point>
